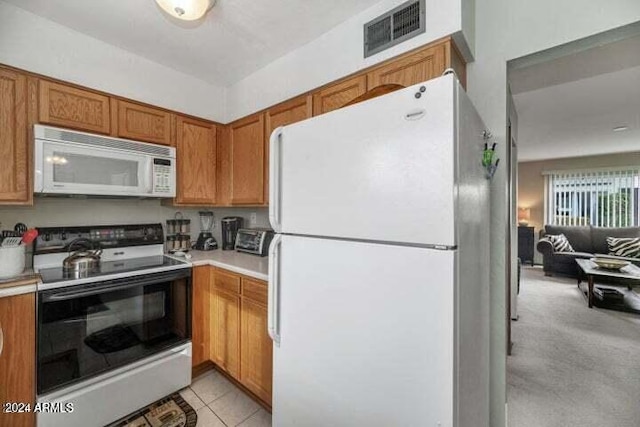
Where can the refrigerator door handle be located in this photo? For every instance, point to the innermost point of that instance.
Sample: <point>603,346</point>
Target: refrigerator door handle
<point>273,289</point>
<point>275,147</point>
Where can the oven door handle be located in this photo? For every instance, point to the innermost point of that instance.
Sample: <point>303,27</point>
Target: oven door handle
<point>119,284</point>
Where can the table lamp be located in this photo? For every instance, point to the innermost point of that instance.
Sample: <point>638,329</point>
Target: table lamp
<point>524,214</point>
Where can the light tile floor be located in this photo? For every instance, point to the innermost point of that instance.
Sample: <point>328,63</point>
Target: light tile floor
<point>219,403</point>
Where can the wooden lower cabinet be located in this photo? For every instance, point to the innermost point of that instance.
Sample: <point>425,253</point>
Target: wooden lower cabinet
<point>17,357</point>
<point>200,314</point>
<point>256,352</point>
<point>225,331</point>
<point>239,341</point>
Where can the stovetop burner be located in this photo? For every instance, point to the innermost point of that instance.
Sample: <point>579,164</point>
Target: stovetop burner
<point>57,274</point>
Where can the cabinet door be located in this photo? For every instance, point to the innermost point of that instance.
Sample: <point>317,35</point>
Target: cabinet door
<point>144,123</point>
<point>225,331</point>
<point>256,358</point>
<point>70,107</point>
<point>337,95</point>
<point>247,160</point>
<point>196,162</point>
<point>17,356</point>
<point>284,114</point>
<point>14,147</point>
<point>409,70</point>
<point>200,315</point>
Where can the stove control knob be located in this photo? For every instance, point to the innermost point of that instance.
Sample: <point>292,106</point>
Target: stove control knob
<point>63,236</point>
<point>47,237</point>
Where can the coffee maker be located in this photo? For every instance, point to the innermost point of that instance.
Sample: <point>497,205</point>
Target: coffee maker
<point>206,241</point>
<point>230,227</point>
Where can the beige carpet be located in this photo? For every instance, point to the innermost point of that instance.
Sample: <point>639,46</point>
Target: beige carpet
<point>571,365</point>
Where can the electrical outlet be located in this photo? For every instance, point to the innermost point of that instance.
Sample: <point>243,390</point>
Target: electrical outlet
<point>253,219</point>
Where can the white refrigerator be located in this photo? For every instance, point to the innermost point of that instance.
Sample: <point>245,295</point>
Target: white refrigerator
<point>378,275</point>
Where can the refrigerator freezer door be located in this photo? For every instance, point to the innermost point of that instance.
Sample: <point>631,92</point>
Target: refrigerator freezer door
<point>382,170</point>
<point>366,335</point>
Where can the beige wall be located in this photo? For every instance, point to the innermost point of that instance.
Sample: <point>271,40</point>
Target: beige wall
<point>531,181</point>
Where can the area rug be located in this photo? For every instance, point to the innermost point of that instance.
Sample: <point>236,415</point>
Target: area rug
<point>171,411</point>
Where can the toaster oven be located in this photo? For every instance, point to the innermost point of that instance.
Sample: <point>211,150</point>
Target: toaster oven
<point>254,240</point>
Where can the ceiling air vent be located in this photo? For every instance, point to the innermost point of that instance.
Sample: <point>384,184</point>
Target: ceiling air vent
<point>402,23</point>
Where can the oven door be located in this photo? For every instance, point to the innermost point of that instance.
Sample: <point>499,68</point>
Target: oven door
<point>65,168</point>
<point>87,330</point>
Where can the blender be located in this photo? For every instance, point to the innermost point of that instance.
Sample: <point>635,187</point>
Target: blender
<point>206,241</point>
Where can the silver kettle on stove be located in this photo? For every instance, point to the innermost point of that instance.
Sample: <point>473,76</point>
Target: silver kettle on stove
<point>85,259</point>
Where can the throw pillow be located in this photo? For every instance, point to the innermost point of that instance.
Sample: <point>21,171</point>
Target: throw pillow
<point>560,243</point>
<point>624,246</point>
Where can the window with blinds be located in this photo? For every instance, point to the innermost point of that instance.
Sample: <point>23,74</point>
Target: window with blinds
<point>599,197</point>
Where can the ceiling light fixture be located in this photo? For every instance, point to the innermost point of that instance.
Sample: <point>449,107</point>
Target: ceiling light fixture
<point>620,128</point>
<point>187,10</point>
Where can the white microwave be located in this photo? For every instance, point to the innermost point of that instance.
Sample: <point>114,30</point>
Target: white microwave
<point>77,163</point>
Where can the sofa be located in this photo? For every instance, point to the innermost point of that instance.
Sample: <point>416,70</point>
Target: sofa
<point>587,242</point>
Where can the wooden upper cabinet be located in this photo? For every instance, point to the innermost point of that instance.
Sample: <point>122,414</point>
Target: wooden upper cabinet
<point>69,107</point>
<point>247,160</point>
<point>292,111</point>
<point>196,161</point>
<point>143,123</point>
<point>336,96</point>
<point>18,356</point>
<point>14,145</point>
<point>409,70</point>
<point>419,66</point>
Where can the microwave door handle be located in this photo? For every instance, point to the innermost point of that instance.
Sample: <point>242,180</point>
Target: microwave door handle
<point>149,176</point>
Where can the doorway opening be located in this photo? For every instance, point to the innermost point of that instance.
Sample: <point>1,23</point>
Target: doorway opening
<point>575,196</point>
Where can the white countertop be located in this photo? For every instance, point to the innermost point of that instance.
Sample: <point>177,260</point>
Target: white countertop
<point>246,264</point>
<point>24,283</point>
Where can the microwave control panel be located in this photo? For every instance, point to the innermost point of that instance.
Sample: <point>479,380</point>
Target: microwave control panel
<point>161,176</point>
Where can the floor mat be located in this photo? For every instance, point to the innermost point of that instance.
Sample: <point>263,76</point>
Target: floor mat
<point>171,411</point>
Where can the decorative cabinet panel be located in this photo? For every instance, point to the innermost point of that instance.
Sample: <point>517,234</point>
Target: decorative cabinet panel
<point>17,356</point>
<point>69,107</point>
<point>14,144</point>
<point>247,160</point>
<point>419,67</point>
<point>143,123</point>
<point>200,320</point>
<point>336,96</point>
<point>225,331</point>
<point>292,111</point>
<point>196,152</point>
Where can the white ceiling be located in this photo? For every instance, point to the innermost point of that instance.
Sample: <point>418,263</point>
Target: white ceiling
<point>568,107</point>
<point>237,38</point>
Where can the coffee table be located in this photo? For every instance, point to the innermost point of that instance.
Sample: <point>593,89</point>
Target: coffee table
<point>628,275</point>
